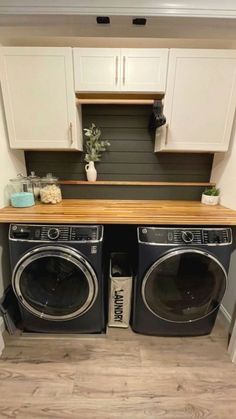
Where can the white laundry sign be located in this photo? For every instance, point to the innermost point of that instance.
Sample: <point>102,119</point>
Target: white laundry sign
<point>120,301</point>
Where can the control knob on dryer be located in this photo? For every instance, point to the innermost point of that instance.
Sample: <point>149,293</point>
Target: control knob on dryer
<point>53,233</point>
<point>187,236</point>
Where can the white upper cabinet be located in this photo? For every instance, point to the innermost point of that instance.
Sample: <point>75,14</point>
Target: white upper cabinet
<point>116,70</point>
<point>200,101</point>
<point>143,69</point>
<point>97,69</point>
<point>39,100</point>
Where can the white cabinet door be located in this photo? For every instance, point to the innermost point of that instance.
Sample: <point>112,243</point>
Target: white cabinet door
<point>200,101</point>
<point>115,70</point>
<point>144,69</point>
<point>39,100</point>
<point>97,69</point>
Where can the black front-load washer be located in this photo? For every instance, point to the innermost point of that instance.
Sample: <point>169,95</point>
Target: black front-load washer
<point>57,277</point>
<point>181,279</point>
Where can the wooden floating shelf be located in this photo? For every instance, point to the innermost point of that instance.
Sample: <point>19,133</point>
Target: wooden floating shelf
<point>114,101</point>
<point>117,98</point>
<point>109,95</point>
<point>133,183</point>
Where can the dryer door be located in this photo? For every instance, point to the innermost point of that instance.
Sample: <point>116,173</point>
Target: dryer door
<point>184,285</point>
<point>55,283</point>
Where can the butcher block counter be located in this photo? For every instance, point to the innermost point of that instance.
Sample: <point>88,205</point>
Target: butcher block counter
<point>144,212</point>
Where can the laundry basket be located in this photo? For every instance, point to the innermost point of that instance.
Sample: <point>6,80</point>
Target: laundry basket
<point>120,290</point>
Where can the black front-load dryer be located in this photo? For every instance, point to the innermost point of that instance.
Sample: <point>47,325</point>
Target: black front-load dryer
<point>57,277</point>
<point>181,279</point>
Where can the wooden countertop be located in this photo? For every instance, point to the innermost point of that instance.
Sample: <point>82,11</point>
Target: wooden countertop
<point>147,212</point>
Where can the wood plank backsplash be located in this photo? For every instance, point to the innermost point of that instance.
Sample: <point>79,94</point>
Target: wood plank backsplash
<point>130,157</point>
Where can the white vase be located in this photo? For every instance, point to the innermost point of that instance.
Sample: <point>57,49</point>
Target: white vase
<point>210,199</point>
<point>91,172</point>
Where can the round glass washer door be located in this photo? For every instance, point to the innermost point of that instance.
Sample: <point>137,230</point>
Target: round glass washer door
<point>55,283</point>
<point>184,285</point>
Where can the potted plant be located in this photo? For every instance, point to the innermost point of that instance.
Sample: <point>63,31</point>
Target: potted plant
<point>94,147</point>
<point>211,196</point>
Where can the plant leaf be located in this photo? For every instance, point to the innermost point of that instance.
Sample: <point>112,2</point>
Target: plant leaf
<point>94,145</point>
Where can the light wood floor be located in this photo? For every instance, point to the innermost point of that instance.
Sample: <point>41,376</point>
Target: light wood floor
<point>122,375</point>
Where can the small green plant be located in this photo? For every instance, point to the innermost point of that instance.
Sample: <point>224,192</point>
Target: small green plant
<point>94,145</point>
<point>212,191</point>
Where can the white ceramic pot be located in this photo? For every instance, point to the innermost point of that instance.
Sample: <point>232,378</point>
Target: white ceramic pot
<point>210,200</point>
<point>91,172</point>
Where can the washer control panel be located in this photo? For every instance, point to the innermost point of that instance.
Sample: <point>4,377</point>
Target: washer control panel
<point>53,233</point>
<point>185,236</point>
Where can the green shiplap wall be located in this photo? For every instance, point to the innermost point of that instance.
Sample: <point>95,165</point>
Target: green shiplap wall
<point>130,157</point>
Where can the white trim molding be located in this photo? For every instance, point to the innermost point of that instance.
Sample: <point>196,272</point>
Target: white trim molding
<point>232,345</point>
<point>2,346</point>
<point>188,8</point>
<point>225,316</point>
<point>227,319</point>
<point>2,328</point>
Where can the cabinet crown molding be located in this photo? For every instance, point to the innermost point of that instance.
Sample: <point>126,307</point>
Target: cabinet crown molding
<point>190,8</point>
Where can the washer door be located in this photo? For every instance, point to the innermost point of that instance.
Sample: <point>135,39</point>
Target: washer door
<point>55,283</point>
<point>184,285</point>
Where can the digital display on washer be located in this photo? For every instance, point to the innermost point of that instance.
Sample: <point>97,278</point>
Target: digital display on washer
<point>84,233</point>
<point>154,235</point>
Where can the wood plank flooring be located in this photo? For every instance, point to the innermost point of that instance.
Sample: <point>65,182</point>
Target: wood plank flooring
<point>122,375</point>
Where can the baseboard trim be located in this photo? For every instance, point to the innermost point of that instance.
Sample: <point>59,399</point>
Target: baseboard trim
<point>2,328</point>
<point>2,325</point>
<point>225,317</point>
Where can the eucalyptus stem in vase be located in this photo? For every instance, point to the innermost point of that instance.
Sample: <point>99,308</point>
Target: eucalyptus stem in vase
<point>94,147</point>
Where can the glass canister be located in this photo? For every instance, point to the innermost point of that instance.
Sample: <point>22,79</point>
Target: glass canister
<point>50,191</point>
<point>36,184</point>
<point>20,192</point>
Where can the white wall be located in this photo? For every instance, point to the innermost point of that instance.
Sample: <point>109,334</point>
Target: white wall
<point>11,163</point>
<point>224,174</point>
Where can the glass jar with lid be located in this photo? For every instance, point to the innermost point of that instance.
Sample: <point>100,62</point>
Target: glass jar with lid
<point>36,184</point>
<point>50,191</point>
<point>20,192</point>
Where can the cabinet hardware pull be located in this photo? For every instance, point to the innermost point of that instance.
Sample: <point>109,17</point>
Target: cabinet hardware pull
<point>71,133</point>
<point>166,137</point>
<point>123,70</point>
<point>116,78</point>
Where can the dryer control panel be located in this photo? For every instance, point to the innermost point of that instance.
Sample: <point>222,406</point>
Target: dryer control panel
<point>57,232</point>
<point>185,236</point>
